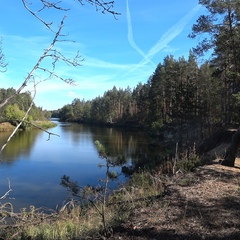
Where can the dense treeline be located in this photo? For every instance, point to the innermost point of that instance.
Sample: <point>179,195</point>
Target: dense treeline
<point>18,105</point>
<point>180,90</point>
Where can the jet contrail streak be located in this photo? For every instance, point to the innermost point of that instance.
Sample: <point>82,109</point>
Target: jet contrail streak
<point>168,36</point>
<point>172,33</point>
<point>131,39</point>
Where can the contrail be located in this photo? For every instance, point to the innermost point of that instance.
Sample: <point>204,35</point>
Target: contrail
<point>130,37</point>
<point>172,33</point>
<point>167,37</point>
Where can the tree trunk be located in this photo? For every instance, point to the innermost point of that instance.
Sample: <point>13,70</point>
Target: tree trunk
<point>231,153</point>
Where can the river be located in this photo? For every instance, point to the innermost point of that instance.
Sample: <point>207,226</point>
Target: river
<point>34,165</point>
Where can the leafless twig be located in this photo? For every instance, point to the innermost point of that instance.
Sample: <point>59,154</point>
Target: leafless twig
<point>37,65</point>
<point>104,6</point>
<point>7,193</point>
<point>45,4</point>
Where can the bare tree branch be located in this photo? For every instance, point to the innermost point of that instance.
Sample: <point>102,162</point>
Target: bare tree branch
<point>104,6</point>
<point>55,55</point>
<point>49,133</point>
<point>40,60</point>
<point>69,81</point>
<point>7,193</point>
<point>45,4</point>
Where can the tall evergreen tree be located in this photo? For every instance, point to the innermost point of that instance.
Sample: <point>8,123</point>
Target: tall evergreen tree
<point>220,27</point>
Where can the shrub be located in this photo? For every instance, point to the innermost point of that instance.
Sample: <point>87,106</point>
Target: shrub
<point>188,160</point>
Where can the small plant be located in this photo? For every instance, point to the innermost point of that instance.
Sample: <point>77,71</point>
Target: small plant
<point>188,160</point>
<point>156,127</point>
<point>96,196</point>
<point>147,184</point>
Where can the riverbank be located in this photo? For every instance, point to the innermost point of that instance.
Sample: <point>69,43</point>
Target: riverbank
<point>8,127</point>
<point>203,204</point>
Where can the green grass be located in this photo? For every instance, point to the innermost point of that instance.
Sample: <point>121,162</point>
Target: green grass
<point>45,124</point>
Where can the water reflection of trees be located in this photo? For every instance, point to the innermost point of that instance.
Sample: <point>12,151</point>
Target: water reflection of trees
<point>134,144</point>
<point>77,131</point>
<point>20,145</point>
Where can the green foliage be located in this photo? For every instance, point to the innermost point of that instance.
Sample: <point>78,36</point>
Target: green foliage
<point>66,113</point>
<point>156,126</point>
<point>96,196</point>
<point>45,124</point>
<point>219,27</point>
<point>101,149</point>
<point>189,160</point>
<point>178,91</point>
<point>181,90</point>
<point>112,175</point>
<point>141,180</point>
<point>15,115</point>
<point>17,107</point>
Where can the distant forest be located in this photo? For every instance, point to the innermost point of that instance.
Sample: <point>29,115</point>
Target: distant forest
<point>179,91</point>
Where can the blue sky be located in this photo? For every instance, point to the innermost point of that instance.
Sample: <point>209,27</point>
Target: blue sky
<point>117,52</point>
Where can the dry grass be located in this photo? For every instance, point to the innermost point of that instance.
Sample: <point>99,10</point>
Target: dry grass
<point>204,204</point>
<point>208,208</point>
<point>6,127</point>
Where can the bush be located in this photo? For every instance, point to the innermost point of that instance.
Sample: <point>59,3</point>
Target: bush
<point>14,115</point>
<point>188,160</point>
<point>156,126</point>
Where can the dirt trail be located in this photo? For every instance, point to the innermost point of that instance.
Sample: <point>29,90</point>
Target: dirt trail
<point>204,204</point>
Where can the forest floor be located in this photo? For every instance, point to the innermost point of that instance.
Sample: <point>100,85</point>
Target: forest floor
<point>204,204</point>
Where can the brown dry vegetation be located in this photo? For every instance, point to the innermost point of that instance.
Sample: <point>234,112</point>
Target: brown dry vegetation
<point>6,127</point>
<point>204,204</point>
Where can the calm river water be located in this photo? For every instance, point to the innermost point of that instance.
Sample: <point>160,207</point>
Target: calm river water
<point>35,166</point>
